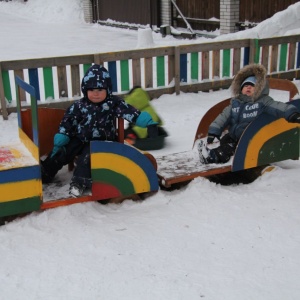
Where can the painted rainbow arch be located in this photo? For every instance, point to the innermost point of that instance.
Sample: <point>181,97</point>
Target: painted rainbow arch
<point>267,140</point>
<point>119,170</point>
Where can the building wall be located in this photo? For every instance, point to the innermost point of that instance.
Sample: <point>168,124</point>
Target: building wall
<point>165,12</point>
<point>87,9</point>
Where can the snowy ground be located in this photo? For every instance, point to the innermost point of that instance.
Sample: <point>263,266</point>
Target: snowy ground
<point>204,241</point>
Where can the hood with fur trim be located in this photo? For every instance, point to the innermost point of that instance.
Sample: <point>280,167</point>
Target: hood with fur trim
<point>256,70</point>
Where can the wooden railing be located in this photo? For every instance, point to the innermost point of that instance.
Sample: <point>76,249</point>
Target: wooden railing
<point>164,70</point>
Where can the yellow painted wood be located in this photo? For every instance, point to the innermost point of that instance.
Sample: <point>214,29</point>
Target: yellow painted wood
<point>20,190</point>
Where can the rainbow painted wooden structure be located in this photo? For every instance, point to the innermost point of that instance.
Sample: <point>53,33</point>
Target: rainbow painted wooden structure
<point>266,140</point>
<point>20,175</point>
<point>118,170</point>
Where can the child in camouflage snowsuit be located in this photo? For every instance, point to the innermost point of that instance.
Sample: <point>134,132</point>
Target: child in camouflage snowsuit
<point>90,118</point>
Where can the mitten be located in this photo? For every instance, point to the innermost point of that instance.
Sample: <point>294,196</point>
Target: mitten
<point>144,120</point>
<point>294,118</point>
<point>152,131</point>
<point>60,140</point>
<point>211,137</point>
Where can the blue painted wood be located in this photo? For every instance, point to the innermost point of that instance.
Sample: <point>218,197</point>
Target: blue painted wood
<point>34,81</point>
<point>112,69</point>
<point>183,67</point>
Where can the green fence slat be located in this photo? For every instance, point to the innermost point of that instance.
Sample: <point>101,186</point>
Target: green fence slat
<point>124,65</point>
<point>226,63</point>
<point>283,56</point>
<point>194,65</point>
<point>48,82</point>
<point>86,67</point>
<point>160,70</point>
<point>6,85</point>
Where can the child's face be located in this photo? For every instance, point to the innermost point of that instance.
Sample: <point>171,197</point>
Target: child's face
<point>96,95</point>
<point>248,90</point>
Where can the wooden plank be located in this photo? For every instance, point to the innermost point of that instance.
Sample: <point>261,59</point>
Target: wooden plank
<point>194,65</point>
<point>177,70</point>
<point>265,56</point>
<point>236,60</point>
<point>283,57</point>
<point>112,69</point>
<point>136,72</point>
<point>226,63</point>
<point>160,70</point>
<point>205,65</point>
<point>171,68</point>
<point>148,72</point>
<point>48,82</point>
<point>22,93</point>
<point>183,67</point>
<point>274,58</point>
<point>291,56</point>
<point>62,81</point>
<point>75,79</point>
<point>124,66</point>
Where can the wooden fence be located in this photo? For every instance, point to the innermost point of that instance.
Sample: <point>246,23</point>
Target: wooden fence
<point>165,70</point>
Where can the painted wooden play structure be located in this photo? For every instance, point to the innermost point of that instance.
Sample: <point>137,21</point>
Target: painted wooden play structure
<point>120,171</point>
<point>266,140</point>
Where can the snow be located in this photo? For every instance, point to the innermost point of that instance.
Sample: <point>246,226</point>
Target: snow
<point>204,241</point>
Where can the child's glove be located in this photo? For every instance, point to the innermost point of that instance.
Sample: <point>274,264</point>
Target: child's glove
<point>60,140</point>
<point>152,131</point>
<point>211,137</point>
<point>294,118</point>
<point>144,120</point>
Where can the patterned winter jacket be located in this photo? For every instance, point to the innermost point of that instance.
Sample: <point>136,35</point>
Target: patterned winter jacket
<point>244,109</point>
<point>95,121</point>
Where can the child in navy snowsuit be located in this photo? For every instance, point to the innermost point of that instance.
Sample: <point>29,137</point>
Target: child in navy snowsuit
<point>88,119</point>
<point>251,98</point>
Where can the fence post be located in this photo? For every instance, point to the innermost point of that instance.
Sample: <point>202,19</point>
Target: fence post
<point>177,70</point>
<point>254,51</point>
<point>2,97</point>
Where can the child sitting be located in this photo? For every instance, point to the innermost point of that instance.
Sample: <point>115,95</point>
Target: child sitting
<point>251,98</point>
<point>90,118</point>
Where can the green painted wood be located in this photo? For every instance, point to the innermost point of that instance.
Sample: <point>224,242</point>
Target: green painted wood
<point>160,70</point>
<point>116,180</point>
<point>270,152</point>
<point>11,208</point>
<point>194,65</point>
<point>226,63</point>
<point>48,82</point>
<point>86,67</point>
<point>6,85</point>
<point>283,56</point>
<point>124,65</point>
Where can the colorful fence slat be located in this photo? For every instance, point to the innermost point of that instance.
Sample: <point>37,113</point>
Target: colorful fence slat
<point>183,67</point>
<point>226,63</point>
<point>246,56</point>
<point>112,69</point>
<point>124,65</point>
<point>283,57</point>
<point>6,85</point>
<point>194,65</point>
<point>48,82</point>
<point>160,70</point>
<point>34,81</point>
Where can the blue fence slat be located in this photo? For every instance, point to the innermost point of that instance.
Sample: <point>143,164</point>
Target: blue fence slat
<point>183,67</point>
<point>112,69</point>
<point>34,81</point>
<point>246,56</point>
